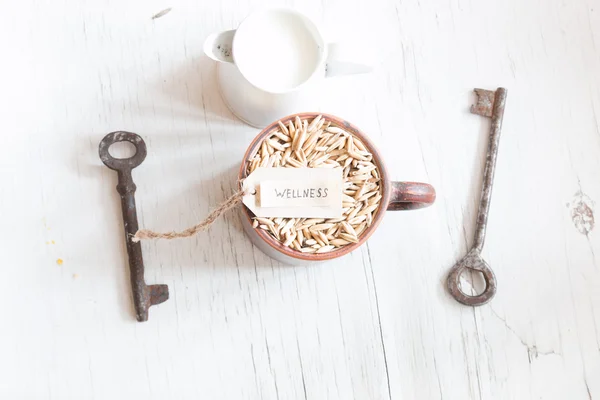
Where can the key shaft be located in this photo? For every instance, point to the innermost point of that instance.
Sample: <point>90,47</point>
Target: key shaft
<point>495,110</point>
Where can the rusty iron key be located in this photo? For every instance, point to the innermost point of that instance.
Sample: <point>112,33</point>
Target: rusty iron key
<point>144,295</point>
<point>489,104</point>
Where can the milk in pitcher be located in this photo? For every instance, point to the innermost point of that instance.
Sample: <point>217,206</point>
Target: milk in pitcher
<point>277,51</point>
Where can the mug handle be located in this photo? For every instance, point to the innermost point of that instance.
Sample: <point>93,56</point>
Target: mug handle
<point>343,58</point>
<point>410,196</point>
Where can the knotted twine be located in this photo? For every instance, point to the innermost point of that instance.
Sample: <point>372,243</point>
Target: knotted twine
<point>203,225</point>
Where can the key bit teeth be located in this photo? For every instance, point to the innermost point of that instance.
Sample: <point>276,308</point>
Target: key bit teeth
<point>484,103</point>
<point>151,295</point>
<point>158,294</point>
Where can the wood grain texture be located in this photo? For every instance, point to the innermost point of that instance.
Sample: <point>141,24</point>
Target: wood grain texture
<point>376,324</point>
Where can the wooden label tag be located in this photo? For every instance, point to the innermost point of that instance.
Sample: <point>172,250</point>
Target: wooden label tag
<point>294,192</point>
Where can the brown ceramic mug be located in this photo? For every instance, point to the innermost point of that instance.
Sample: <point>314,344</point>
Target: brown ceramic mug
<point>395,196</point>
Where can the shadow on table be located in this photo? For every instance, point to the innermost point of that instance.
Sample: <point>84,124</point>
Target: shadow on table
<point>223,244</point>
<point>224,247</point>
<point>192,89</point>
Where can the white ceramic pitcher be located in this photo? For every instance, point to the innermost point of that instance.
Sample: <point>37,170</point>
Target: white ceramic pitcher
<point>273,64</point>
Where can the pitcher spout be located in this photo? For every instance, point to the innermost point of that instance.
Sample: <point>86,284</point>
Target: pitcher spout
<point>218,46</point>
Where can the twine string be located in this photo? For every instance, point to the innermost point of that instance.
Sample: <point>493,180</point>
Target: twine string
<point>234,200</point>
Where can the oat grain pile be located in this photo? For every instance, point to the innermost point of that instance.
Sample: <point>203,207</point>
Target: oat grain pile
<point>318,144</point>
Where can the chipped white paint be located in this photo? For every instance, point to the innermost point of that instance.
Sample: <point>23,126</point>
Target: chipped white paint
<point>377,324</point>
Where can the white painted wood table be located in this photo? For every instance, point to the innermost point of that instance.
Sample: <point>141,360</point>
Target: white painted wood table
<point>377,324</point>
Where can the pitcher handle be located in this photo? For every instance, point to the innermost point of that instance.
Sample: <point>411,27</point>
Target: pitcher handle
<point>345,58</point>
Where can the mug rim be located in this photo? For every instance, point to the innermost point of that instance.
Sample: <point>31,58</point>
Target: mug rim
<point>318,36</point>
<point>385,184</point>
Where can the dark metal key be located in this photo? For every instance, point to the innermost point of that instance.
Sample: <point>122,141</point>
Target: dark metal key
<point>489,104</point>
<point>144,296</point>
